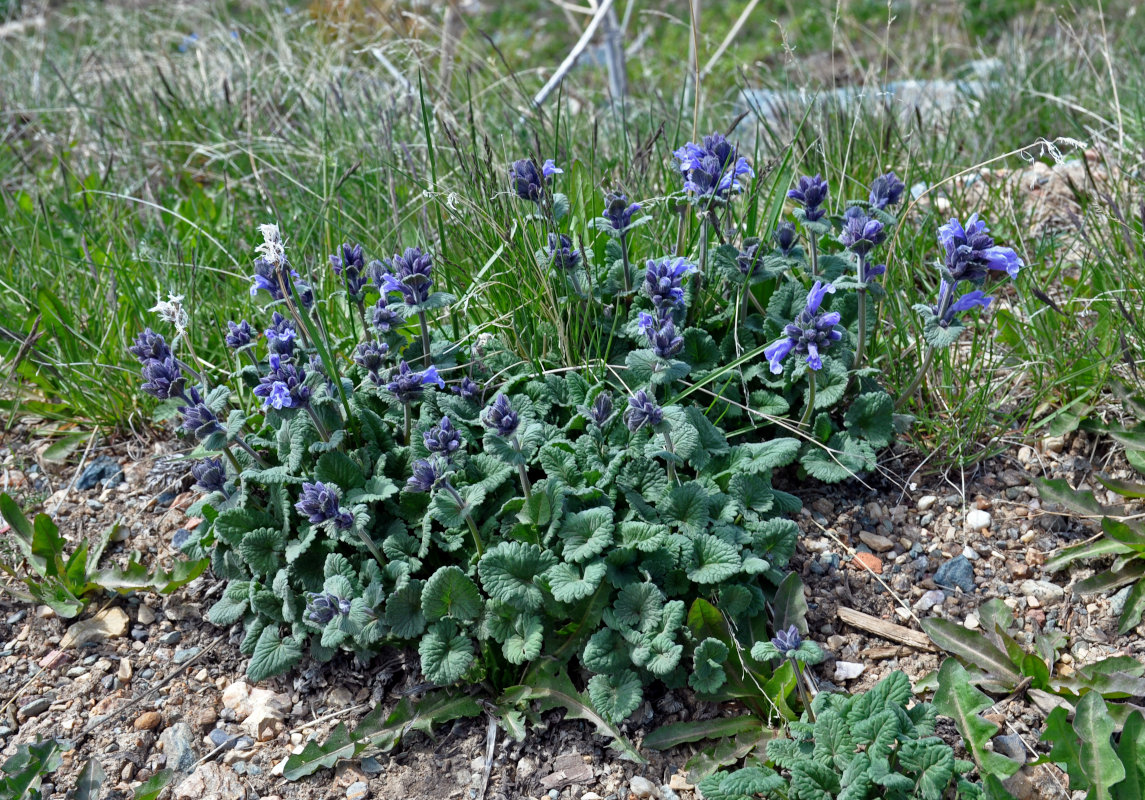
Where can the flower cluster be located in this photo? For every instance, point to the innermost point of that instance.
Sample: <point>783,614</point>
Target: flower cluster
<point>810,193</point>
<point>642,410</point>
<point>501,418</point>
<point>283,386</point>
<point>812,332</point>
<point>529,182</point>
<point>712,168</point>
<point>664,280</point>
<point>409,273</point>
<point>350,265</point>
<point>408,385</point>
<point>322,607</point>
<point>661,335</point>
<point>618,211</point>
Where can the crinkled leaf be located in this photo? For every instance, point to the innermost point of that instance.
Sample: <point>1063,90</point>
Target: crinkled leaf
<point>446,654</point>
<point>615,696</point>
<point>450,593</point>
<point>273,655</point>
<point>586,533</point>
<point>569,584</point>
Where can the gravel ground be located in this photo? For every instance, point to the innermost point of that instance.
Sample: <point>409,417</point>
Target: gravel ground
<point>897,549</point>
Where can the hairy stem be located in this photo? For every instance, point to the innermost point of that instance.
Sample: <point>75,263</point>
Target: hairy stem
<point>468,518</point>
<point>860,346</point>
<point>424,337</point>
<point>807,412</point>
<point>917,380</point>
<point>408,423</point>
<point>799,685</point>
<point>526,487</point>
<point>325,434</point>
<point>241,442</point>
<point>234,461</point>
<point>671,448</point>
<point>814,240</point>
<point>624,263</point>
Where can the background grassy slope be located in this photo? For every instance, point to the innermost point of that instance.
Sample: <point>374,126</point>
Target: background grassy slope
<point>142,145</point>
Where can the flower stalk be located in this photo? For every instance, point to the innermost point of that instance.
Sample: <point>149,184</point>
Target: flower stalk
<point>526,487</point>
<point>465,513</point>
<point>807,412</point>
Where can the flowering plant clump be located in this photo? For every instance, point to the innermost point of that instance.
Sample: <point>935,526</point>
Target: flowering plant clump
<point>363,500</point>
<point>394,484</point>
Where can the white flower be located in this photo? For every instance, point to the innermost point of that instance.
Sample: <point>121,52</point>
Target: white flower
<point>271,248</point>
<point>171,310</point>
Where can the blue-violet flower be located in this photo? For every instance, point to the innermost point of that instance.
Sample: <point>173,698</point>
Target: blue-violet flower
<point>664,279</point>
<point>971,252</point>
<point>811,332</point>
<point>210,475</point>
<point>886,190</point>
<point>410,274</point>
<point>811,193</point>
<point>642,410</point>
<point>408,385</point>
<point>500,417</point>
<point>319,503</point>
<point>529,182</point>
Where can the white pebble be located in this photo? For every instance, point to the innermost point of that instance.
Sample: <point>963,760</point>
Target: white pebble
<point>977,519</point>
<point>927,502</point>
<point>972,621</point>
<point>848,670</point>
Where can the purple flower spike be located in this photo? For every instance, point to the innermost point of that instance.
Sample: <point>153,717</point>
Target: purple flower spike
<point>501,418</point>
<point>860,233</point>
<point>283,386</point>
<point>322,607</point>
<point>150,345</point>
<point>163,378</point>
<point>210,475</point>
<point>971,252</point>
<point>664,281</point>
<point>712,168</point>
<point>240,335</point>
<point>787,642</point>
<point>198,420</point>
<point>408,385</point>
<point>811,193</point>
<point>886,191</point>
<point>280,336</point>
<point>371,356</point>
<point>528,181</point>
<point>562,254</point>
<point>467,389</point>
<point>642,410</point>
<point>601,411</point>
<point>410,274</point>
<point>809,334</point>
<point>426,474</point>
<point>350,265</point>
<point>785,237</point>
<point>618,212</point>
<point>443,438</point>
<point>319,503</point>
<point>384,317</point>
<point>661,335</point>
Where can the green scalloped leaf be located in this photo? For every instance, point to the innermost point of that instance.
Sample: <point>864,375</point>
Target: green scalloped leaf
<point>450,593</point>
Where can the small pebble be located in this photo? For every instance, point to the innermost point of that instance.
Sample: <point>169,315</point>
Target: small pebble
<point>35,708</point>
<point>977,519</point>
<point>929,600</point>
<point>147,721</point>
<point>642,788</point>
<point>360,790</point>
<point>146,615</point>
<point>173,637</point>
<point>880,544</point>
<point>957,572</point>
<point>848,671</point>
<point>972,621</point>
<point>926,502</point>
<point>183,656</point>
